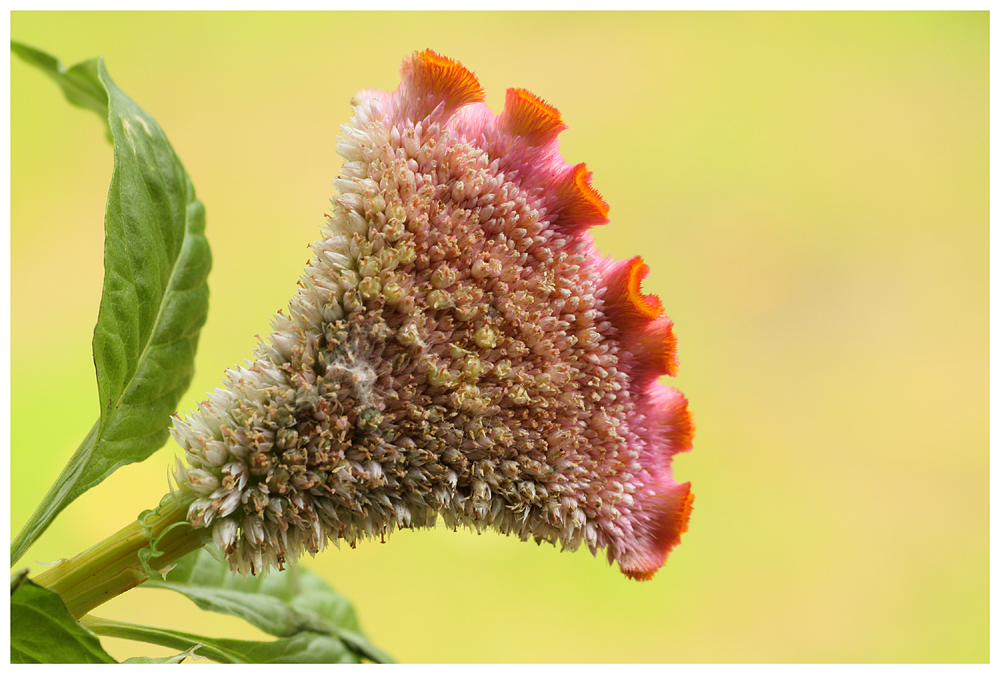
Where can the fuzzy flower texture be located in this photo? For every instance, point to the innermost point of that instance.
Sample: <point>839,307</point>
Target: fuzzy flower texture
<point>457,347</point>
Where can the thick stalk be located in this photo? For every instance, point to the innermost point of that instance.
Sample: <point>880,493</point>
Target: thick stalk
<point>115,565</point>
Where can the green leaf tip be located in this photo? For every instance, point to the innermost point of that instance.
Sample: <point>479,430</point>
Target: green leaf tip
<point>155,296</point>
<point>80,83</point>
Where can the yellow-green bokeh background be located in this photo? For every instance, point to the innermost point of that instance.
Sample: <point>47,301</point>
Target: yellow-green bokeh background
<point>811,192</point>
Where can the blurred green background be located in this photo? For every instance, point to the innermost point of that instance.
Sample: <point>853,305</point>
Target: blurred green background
<point>811,192</point>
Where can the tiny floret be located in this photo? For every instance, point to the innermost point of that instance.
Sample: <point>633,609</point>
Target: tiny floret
<point>458,348</point>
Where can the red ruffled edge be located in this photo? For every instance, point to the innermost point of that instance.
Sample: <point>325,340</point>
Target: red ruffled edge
<point>649,351</point>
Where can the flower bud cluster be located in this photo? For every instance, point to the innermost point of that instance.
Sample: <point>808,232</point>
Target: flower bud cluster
<point>456,348</point>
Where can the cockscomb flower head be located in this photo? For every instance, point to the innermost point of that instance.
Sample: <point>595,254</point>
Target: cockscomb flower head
<point>457,348</point>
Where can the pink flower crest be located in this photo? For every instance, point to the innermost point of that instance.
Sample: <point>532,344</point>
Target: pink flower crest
<point>457,348</point>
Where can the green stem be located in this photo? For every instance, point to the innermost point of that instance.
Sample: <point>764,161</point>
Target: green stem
<point>182,641</point>
<point>124,560</point>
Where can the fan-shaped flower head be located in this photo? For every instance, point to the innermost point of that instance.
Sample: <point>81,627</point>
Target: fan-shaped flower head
<point>457,347</point>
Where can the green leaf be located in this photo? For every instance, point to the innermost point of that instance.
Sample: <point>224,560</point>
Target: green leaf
<point>80,84</point>
<point>155,297</point>
<point>292,603</point>
<point>43,631</point>
<point>303,648</point>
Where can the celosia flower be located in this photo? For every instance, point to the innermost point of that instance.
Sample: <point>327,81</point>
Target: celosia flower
<point>457,348</point>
